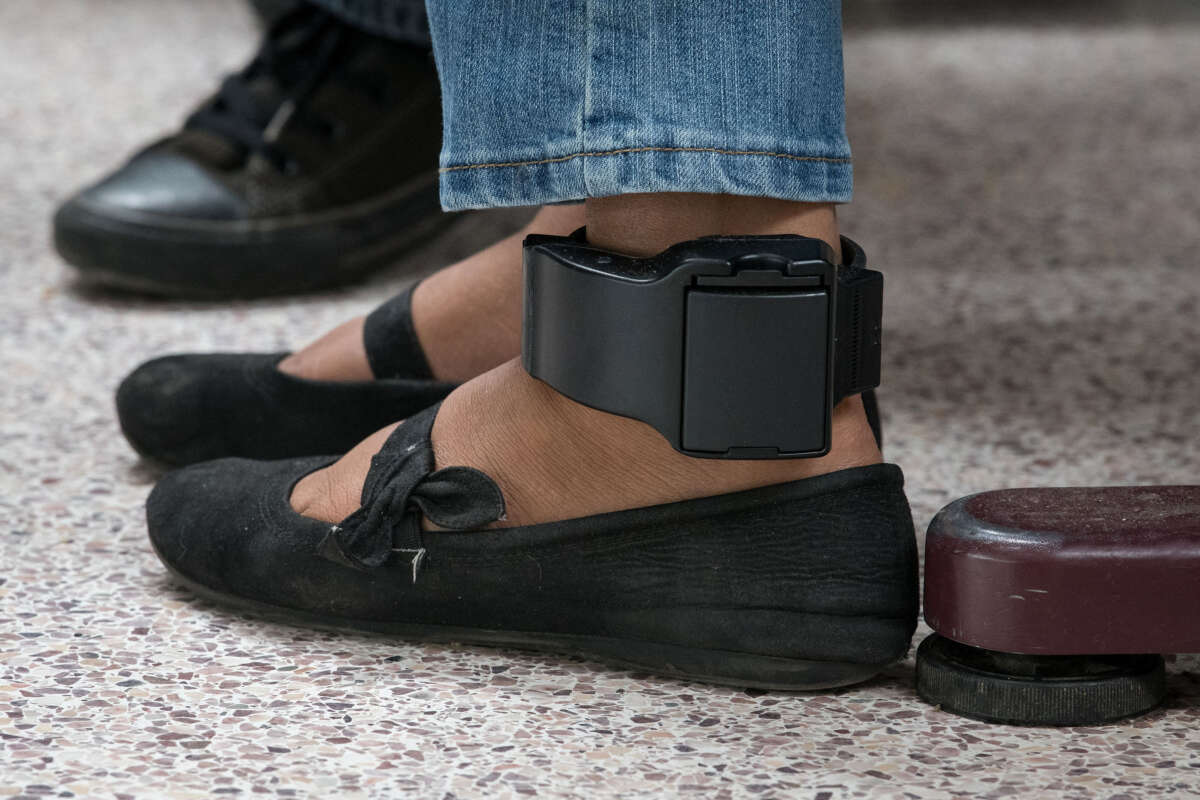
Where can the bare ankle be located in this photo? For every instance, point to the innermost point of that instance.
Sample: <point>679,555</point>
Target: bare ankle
<point>645,224</point>
<point>468,317</point>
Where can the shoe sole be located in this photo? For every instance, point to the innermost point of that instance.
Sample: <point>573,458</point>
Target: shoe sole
<point>219,260</point>
<point>720,667</point>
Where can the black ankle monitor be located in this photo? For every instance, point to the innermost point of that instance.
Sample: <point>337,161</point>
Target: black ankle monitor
<point>729,346</point>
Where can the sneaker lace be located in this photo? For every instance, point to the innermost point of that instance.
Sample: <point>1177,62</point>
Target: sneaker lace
<point>298,52</point>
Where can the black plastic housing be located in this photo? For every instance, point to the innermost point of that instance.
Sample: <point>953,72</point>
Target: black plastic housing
<point>725,345</point>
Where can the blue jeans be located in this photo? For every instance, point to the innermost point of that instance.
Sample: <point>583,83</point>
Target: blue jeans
<point>556,100</point>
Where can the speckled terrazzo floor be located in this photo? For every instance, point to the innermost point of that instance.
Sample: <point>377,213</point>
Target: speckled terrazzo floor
<point>1033,191</point>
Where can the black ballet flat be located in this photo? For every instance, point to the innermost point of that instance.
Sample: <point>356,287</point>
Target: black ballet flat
<point>183,409</point>
<point>802,585</point>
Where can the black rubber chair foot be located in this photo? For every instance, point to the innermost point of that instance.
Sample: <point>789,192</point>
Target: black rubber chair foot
<point>1014,689</point>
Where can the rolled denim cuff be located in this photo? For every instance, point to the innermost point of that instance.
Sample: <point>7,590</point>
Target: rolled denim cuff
<point>797,176</point>
<point>554,100</point>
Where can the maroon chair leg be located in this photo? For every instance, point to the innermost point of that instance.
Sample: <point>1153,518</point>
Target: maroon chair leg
<point>1052,606</point>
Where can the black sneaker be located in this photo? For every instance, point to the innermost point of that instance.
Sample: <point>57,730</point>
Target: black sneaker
<point>314,165</point>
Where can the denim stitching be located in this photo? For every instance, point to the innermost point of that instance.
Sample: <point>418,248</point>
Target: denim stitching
<point>647,150</point>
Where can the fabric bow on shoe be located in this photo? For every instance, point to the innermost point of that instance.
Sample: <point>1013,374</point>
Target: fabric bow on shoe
<point>401,487</point>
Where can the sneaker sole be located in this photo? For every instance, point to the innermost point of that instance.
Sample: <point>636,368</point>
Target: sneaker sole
<point>219,260</point>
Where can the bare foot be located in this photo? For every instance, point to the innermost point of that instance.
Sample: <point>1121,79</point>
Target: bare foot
<point>467,316</point>
<point>556,459</point>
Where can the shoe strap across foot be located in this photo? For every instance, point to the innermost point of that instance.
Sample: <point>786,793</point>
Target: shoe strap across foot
<point>401,487</point>
<point>390,339</point>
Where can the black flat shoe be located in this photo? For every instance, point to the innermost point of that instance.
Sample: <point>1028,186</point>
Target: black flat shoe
<point>312,167</point>
<point>802,585</point>
<point>184,409</point>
